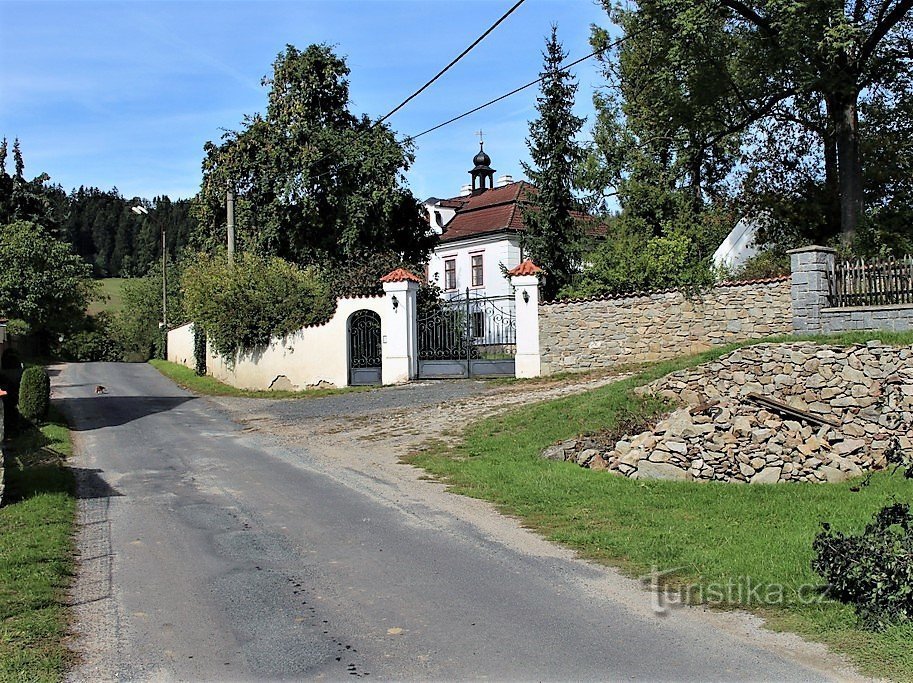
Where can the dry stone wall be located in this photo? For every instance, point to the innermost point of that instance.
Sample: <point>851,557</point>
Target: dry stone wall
<point>866,392</point>
<point>595,333</point>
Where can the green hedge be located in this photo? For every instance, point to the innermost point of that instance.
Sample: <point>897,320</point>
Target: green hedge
<point>34,394</point>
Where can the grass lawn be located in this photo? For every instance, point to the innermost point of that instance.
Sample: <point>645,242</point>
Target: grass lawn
<point>708,534</point>
<point>186,378</point>
<point>36,548</point>
<point>111,297</point>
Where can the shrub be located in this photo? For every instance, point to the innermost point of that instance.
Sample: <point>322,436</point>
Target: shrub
<point>240,306</point>
<point>873,571</point>
<point>34,394</point>
<point>94,340</point>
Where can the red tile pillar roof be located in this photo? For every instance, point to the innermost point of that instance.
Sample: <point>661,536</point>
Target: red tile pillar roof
<point>525,268</point>
<point>401,275</point>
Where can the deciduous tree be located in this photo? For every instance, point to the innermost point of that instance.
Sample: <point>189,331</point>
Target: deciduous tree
<point>313,181</point>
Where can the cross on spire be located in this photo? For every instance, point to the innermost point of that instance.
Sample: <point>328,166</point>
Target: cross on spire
<point>479,133</point>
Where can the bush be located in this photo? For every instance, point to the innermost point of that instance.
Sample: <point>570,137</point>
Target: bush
<point>34,394</point>
<point>94,340</point>
<point>137,326</point>
<point>770,263</point>
<point>240,306</point>
<point>873,571</point>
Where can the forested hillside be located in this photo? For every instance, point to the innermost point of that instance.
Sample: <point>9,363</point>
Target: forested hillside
<point>99,224</point>
<point>118,242</point>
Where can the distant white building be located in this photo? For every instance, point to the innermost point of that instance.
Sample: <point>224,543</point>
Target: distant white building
<point>479,234</point>
<point>739,245</point>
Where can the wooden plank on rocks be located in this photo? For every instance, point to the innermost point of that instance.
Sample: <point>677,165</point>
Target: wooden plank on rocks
<point>789,411</point>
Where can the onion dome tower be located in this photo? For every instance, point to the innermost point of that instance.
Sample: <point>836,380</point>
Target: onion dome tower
<point>483,176</point>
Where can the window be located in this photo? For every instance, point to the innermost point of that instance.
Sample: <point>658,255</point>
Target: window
<point>477,321</point>
<point>477,270</point>
<point>450,274</point>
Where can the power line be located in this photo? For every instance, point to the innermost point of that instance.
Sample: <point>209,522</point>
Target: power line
<point>453,62</point>
<point>514,91</point>
<point>418,92</point>
<point>565,67</point>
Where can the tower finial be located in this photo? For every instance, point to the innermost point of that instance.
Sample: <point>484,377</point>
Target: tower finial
<point>481,138</point>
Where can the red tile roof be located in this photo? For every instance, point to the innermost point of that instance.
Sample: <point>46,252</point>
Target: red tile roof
<point>400,275</point>
<point>525,268</point>
<point>497,210</point>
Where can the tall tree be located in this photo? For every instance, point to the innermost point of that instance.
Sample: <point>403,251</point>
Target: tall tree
<point>794,71</point>
<point>553,236</point>
<point>44,286</point>
<point>313,181</point>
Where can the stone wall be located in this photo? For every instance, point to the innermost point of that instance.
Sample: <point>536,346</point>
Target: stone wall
<point>594,333</point>
<point>861,399</point>
<point>889,318</point>
<point>810,289</point>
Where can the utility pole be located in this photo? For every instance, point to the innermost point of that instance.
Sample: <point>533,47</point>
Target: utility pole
<point>230,210</point>
<point>141,210</point>
<point>164,282</point>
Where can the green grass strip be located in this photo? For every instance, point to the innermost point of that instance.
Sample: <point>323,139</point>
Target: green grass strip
<point>708,535</point>
<point>187,379</point>
<point>37,523</point>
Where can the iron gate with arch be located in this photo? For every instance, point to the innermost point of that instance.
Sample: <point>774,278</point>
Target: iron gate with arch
<point>468,336</point>
<point>364,348</point>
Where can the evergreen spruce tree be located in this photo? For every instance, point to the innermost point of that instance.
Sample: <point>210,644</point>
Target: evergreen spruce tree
<point>552,237</point>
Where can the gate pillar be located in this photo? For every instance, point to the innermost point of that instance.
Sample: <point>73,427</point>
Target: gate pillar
<point>399,327</point>
<point>525,281</point>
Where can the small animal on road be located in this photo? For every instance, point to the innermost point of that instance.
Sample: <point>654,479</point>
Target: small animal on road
<point>99,389</point>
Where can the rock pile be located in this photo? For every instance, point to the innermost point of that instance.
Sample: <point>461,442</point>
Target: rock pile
<point>865,391</point>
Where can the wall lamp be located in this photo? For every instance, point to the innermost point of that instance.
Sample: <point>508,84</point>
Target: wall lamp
<point>395,302</point>
<point>525,297</point>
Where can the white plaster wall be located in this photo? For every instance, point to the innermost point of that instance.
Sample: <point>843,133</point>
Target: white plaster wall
<point>445,212</point>
<point>495,250</point>
<point>306,358</point>
<point>180,345</point>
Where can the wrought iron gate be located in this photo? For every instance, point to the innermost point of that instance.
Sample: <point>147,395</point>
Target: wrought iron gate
<point>364,348</point>
<point>467,337</point>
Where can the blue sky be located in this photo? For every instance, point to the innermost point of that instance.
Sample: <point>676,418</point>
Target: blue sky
<point>125,94</point>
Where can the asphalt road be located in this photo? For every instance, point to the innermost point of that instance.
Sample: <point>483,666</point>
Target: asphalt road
<point>211,553</point>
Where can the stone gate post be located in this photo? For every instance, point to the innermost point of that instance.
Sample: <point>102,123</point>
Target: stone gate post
<point>399,327</point>
<point>525,280</point>
<point>810,266</point>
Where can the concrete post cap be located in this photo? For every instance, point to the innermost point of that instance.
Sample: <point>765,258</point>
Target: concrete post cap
<point>812,247</point>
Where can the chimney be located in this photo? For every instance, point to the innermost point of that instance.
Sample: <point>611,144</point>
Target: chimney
<point>505,180</point>
<point>466,190</point>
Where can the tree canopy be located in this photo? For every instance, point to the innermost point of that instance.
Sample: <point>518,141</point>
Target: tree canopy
<point>790,112</point>
<point>553,237</point>
<point>44,286</point>
<point>314,182</point>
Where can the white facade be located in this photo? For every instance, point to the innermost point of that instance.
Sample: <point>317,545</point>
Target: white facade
<point>495,250</point>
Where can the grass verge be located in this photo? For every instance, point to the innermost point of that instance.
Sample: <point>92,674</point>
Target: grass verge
<point>36,551</point>
<point>708,536</point>
<point>209,386</point>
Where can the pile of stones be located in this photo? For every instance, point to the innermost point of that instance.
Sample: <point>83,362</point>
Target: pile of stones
<point>863,394</point>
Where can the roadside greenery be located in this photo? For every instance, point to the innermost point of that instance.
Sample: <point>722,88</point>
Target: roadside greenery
<point>703,535</point>
<point>241,305</point>
<point>44,286</point>
<point>34,394</point>
<point>36,550</point>
<point>188,379</point>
